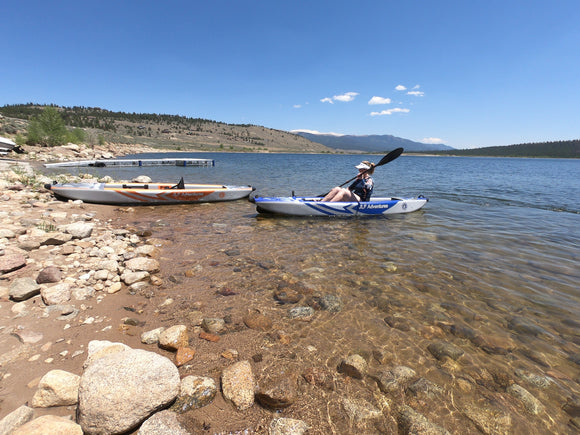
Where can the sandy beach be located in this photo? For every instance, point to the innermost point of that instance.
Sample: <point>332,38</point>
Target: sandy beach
<point>35,339</point>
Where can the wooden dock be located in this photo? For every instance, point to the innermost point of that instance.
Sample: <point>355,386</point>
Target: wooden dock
<point>115,163</point>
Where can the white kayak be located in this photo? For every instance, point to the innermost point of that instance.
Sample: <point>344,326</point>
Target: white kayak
<point>148,193</point>
<point>312,206</point>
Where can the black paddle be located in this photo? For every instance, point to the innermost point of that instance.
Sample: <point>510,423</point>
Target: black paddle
<point>388,158</point>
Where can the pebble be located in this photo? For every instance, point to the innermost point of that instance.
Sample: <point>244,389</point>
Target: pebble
<point>394,379</point>
<point>302,313</point>
<point>331,303</point>
<point>360,410</point>
<point>238,385</point>
<point>442,349</point>
<point>195,392</point>
<point>277,392</point>
<point>184,355</point>
<point>413,422</point>
<point>213,325</point>
<point>354,366</point>
<point>531,404</point>
<point>152,337</point>
<point>258,321</point>
<point>174,337</point>
<point>288,426</point>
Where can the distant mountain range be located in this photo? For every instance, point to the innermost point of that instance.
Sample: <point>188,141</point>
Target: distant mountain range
<point>369,143</point>
<point>196,134</point>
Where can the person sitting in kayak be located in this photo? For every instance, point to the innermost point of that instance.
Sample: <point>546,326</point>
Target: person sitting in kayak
<point>360,190</point>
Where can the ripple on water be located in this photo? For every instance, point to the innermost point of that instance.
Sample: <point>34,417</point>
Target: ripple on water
<point>503,304</point>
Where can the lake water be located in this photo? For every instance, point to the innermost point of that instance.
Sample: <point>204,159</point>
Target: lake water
<point>490,265</point>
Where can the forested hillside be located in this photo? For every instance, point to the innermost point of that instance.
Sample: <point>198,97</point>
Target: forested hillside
<point>170,131</point>
<point>183,133</point>
<point>557,149</point>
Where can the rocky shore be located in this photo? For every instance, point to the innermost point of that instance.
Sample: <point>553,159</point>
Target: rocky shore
<point>100,334</point>
<point>73,358</point>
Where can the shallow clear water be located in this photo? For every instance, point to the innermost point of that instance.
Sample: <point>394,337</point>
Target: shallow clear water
<point>490,264</point>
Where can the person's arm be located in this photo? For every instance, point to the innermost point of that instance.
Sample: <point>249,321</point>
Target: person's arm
<point>354,185</point>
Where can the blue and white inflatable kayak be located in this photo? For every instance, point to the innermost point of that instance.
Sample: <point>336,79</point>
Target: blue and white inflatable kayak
<point>312,206</point>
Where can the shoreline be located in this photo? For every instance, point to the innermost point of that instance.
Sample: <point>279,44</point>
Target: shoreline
<point>272,327</point>
<point>73,262</point>
<point>87,312</point>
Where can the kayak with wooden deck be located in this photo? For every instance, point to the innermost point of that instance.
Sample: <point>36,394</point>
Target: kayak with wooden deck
<point>313,206</point>
<point>148,193</point>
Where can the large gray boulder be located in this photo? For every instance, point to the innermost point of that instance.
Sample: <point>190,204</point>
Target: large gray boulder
<point>119,391</point>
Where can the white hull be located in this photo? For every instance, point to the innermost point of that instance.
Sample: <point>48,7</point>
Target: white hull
<point>148,193</point>
<point>6,145</point>
<point>302,206</point>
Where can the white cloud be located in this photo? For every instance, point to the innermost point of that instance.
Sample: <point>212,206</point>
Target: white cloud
<point>390,111</point>
<point>400,88</point>
<point>345,98</point>
<point>432,140</point>
<point>314,132</point>
<point>416,87</point>
<point>416,93</point>
<point>297,106</point>
<point>349,96</point>
<point>379,100</point>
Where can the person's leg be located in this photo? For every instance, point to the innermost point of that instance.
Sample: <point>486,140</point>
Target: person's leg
<point>333,192</point>
<point>344,195</point>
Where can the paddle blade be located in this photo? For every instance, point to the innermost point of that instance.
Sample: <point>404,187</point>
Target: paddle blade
<point>390,157</point>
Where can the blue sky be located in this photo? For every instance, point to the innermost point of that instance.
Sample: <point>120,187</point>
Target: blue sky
<point>467,73</point>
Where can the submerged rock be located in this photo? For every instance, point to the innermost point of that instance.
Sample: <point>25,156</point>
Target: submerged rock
<point>238,385</point>
<point>360,410</point>
<point>442,349</point>
<point>300,312</point>
<point>277,393</point>
<point>331,303</point>
<point>391,380</point>
<point>258,321</point>
<point>287,426</point>
<point>412,422</point>
<point>354,366</point>
<point>195,392</point>
<point>532,405</point>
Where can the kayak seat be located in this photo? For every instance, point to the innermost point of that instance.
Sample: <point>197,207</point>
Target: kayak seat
<point>179,185</point>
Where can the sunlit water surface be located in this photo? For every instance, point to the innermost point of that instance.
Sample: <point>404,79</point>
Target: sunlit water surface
<point>490,265</point>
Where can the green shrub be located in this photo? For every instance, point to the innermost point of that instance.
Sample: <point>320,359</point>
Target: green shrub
<point>47,129</point>
<point>77,136</point>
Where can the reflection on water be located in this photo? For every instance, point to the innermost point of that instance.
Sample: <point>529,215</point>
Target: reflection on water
<point>500,283</point>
